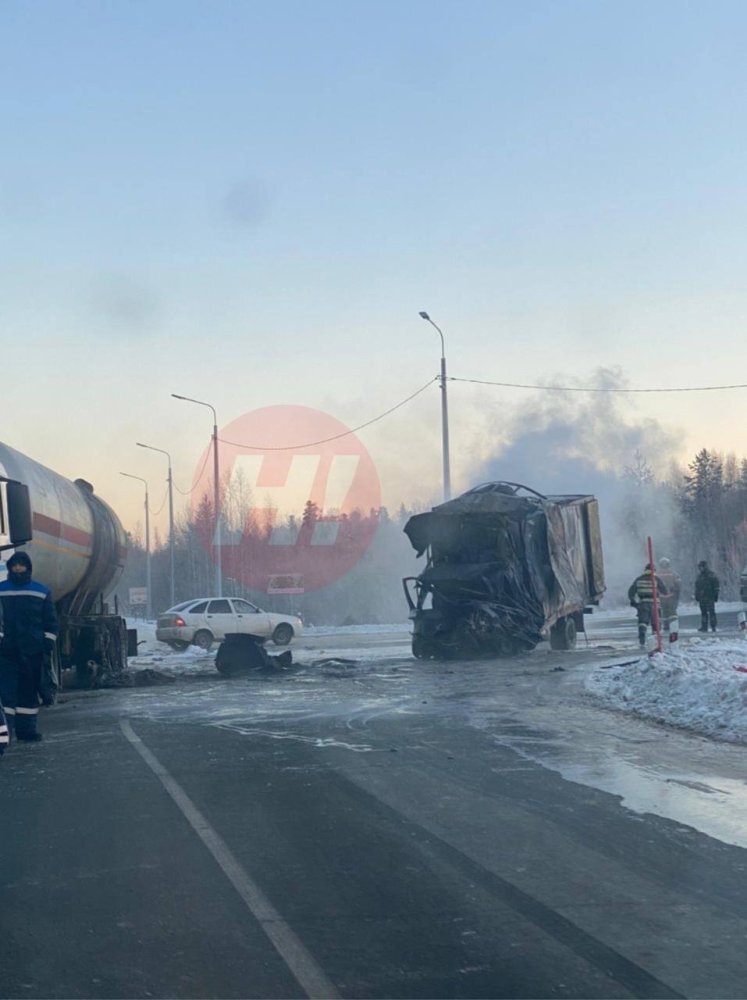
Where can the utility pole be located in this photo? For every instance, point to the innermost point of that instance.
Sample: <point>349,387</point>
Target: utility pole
<point>170,482</point>
<point>444,413</point>
<point>216,496</point>
<point>149,598</point>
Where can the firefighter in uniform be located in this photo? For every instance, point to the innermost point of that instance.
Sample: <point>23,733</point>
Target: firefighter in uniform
<point>641,597</point>
<point>29,635</point>
<point>673,583</point>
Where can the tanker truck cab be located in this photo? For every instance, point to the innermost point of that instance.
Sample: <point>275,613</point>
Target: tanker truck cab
<point>15,514</point>
<point>78,548</point>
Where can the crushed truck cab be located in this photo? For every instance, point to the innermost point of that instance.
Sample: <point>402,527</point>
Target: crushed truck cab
<point>506,567</point>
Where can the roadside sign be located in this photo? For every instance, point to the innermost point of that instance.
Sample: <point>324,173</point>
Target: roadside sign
<point>138,595</point>
<point>288,583</point>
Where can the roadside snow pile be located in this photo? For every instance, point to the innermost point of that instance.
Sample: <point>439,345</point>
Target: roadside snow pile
<point>701,685</point>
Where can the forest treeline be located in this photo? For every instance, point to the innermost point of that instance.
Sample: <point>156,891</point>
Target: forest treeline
<point>699,512</point>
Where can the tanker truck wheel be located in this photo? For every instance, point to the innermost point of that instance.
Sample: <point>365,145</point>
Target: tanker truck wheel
<point>563,633</point>
<point>203,639</point>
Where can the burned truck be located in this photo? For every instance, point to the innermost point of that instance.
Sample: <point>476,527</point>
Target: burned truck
<point>506,568</point>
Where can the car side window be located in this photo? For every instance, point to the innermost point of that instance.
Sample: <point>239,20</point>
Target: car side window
<point>219,608</point>
<point>245,608</point>
<point>198,609</point>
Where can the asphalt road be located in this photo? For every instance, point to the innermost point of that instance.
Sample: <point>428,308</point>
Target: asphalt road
<point>387,828</point>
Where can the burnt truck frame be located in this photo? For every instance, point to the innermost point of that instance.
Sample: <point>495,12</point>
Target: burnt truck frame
<point>506,568</point>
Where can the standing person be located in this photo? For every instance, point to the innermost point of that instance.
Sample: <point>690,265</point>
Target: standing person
<point>30,633</point>
<point>706,594</point>
<point>4,731</point>
<point>641,597</point>
<point>673,583</point>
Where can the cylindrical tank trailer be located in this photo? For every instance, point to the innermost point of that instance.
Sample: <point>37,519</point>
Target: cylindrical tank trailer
<point>77,545</point>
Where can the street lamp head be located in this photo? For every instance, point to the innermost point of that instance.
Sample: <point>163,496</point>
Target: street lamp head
<point>177,396</point>
<point>424,315</point>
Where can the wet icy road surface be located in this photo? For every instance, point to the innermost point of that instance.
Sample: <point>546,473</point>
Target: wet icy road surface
<point>415,830</point>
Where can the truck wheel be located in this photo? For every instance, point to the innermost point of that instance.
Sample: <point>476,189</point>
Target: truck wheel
<point>203,639</point>
<point>282,634</point>
<point>563,633</point>
<point>422,649</point>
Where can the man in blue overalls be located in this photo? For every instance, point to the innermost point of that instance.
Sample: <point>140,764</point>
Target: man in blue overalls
<point>29,634</point>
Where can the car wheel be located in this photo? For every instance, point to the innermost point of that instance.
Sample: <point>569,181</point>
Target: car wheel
<point>203,639</point>
<point>282,634</point>
<point>179,645</point>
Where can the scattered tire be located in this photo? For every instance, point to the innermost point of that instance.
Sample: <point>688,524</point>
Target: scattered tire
<point>563,633</point>
<point>282,634</point>
<point>239,654</point>
<point>203,639</point>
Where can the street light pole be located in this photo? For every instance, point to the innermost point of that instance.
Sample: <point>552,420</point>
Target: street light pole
<point>444,413</point>
<point>149,602</point>
<point>171,512</point>
<point>216,496</point>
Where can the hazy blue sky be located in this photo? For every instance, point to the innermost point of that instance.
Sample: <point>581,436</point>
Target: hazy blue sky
<point>250,202</point>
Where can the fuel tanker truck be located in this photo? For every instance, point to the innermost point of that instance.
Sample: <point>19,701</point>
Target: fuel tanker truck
<point>77,546</point>
<point>506,568</point>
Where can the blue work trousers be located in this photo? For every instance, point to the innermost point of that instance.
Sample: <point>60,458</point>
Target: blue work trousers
<point>20,674</point>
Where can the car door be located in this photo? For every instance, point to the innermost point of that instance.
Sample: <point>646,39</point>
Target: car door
<point>250,619</point>
<point>220,618</point>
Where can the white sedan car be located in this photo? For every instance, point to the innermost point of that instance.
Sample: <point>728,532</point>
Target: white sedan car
<point>208,619</point>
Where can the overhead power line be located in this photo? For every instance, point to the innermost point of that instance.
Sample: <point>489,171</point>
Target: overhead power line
<point>334,437</point>
<point>186,493</point>
<point>594,388</point>
<point>155,513</point>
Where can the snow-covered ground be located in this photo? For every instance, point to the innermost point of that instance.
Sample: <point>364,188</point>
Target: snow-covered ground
<point>698,684</point>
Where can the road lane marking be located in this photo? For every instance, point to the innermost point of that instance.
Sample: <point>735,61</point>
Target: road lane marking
<point>290,948</point>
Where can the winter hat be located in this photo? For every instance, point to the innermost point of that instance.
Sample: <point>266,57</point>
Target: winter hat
<point>22,559</point>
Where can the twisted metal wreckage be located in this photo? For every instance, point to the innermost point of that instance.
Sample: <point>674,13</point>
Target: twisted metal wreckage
<point>506,568</point>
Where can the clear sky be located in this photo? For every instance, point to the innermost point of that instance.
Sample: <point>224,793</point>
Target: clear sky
<point>250,202</point>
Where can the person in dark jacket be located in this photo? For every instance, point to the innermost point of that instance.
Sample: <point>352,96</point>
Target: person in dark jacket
<point>4,731</point>
<point>706,594</point>
<point>641,597</point>
<point>30,631</point>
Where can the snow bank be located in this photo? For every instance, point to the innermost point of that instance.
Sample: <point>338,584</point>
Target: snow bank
<point>699,685</point>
